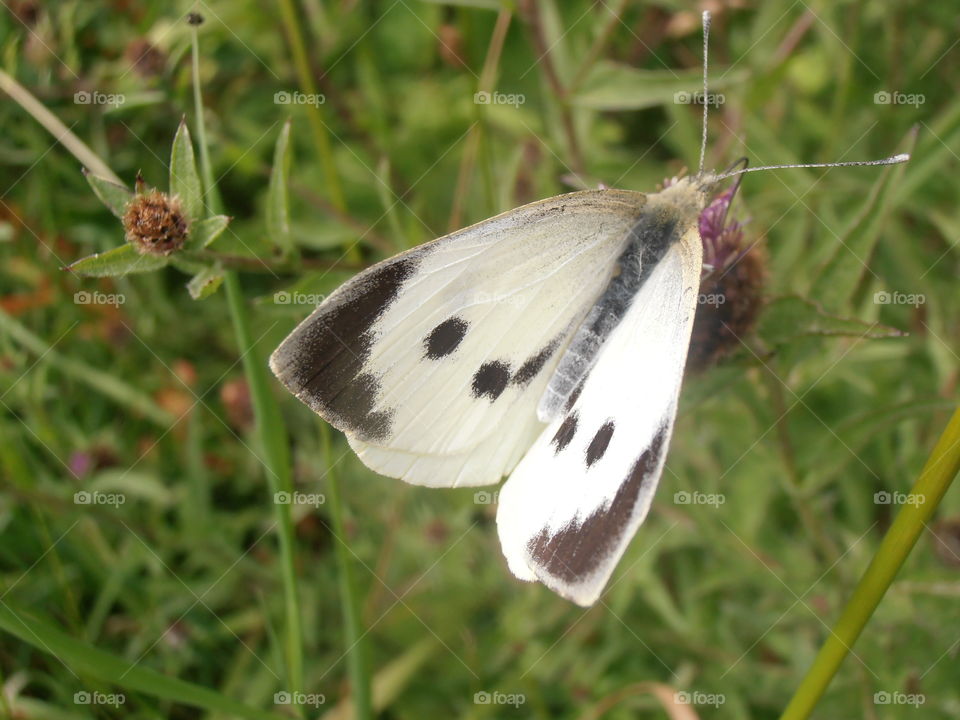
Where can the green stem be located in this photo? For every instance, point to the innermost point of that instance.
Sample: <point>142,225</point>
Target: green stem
<point>356,648</point>
<point>288,14</point>
<point>269,422</point>
<point>936,476</point>
<point>276,459</point>
<point>211,196</point>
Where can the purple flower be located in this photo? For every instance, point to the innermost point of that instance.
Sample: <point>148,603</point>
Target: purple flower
<point>721,240</point>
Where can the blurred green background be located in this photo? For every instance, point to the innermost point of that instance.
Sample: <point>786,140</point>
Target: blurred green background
<point>144,399</point>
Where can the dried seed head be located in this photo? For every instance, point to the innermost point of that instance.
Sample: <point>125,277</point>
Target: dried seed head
<point>155,224</point>
<point>731,289</point>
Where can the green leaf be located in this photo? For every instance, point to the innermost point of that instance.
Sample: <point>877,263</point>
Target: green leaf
<point>93,662</point>
<point>838,280</point>
<point>788,318</point>
<point>205,283</point>
<point>184,179</point>
<point>203,232</point>
<point>278,200</point>
<point>123,260</point>
<point>611,86</point>
<point>114,196</point>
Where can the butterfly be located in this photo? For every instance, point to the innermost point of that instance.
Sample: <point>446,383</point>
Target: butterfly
<point>546,344</point>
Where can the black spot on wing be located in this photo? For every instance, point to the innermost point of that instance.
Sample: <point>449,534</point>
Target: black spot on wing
<point>491,379</point>
<point>574,552</point>
<point>322,360</point>
<point>532,367</point>
<point>598,446</point>
<point>565,433</point>
<point>445,338</point>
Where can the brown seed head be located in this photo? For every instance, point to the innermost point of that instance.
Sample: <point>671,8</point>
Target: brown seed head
<point>155,224</point>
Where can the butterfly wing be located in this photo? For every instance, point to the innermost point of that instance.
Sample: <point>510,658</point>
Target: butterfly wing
<point>432,362</point>
<point>571,506</point>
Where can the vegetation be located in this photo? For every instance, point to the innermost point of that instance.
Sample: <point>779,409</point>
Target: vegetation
<point>152,563</point>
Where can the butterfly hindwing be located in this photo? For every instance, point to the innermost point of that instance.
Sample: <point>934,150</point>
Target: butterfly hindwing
<point>433,362</point>
<point>569,509</point>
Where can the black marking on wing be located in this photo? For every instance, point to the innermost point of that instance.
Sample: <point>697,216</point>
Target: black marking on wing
<point>565,433</point>
<point>445,337</point>
<point>491,379</point>
<point>532,367</point>
<point>322,361</point>
<point>598,446</point>
<point>573,552</point>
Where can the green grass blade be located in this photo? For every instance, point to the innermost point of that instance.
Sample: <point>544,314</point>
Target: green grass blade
<point>86,660</point>
<point>936,476</point>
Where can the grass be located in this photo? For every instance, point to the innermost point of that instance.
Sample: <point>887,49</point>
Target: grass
<point>194,596</point>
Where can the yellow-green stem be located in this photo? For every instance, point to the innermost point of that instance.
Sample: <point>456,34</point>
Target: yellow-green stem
<point>936,476</point>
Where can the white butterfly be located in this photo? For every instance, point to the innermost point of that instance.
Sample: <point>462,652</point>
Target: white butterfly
<point>547,343</point>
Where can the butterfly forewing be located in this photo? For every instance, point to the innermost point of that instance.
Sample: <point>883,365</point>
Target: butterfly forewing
<point>433,362</point>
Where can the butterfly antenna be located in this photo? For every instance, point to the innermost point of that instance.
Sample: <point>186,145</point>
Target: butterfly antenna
<point>894,160</point>
<point>706,45</point>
